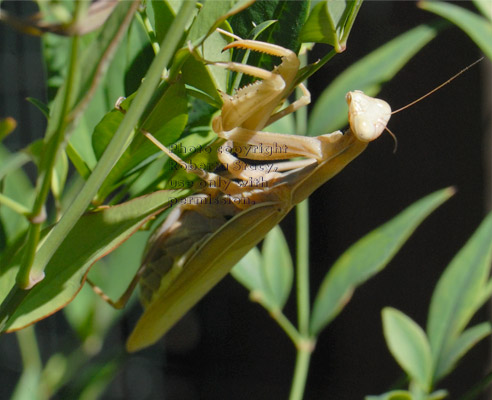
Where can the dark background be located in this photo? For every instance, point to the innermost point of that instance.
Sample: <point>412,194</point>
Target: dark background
<point>228,347</point>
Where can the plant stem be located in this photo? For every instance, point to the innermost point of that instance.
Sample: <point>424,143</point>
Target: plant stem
<point>14,205</point>
<point>29,350</point>
<point>144,20</point>
<point>302,267</point>
<point>305,343</point>
<point>302,235</point>
<point>300,373</point>
<point>25,278</point>
<point>286,325</point>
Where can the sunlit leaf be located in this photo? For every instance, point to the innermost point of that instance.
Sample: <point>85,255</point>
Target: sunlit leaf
<point>367,257</point>
<point>408,344</point>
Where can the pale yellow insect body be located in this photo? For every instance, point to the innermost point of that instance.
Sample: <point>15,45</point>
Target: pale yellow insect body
<point>200,242</point>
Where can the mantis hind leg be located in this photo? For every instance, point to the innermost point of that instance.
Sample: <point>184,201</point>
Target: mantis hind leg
<point>123,300</point>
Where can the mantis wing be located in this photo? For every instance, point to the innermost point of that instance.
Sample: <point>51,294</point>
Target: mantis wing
<point>204,269</point>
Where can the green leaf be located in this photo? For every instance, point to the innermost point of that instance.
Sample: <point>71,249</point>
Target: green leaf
<point>460,293</point>
<point>438,395</point>
<point>268,276</point>
<point>393,395</point>
<point>92,381</point>
<point>330,22</point>
<point>93,236</point>
<point>406,395</point>
<point>17,186</point>
<point>367,257</point>
<point>88,315</point>
<point>114,85</point>
<point>278,271</point>
<point>485,8</point>
<point>93,62</point>
<point>479,29</point>
<point>289,16</point>
<point>408,345</point>
<point>197,75</point>
<point>40,106</point>
<point>209,17</point>
<point>163,15</point>
<point>59,177</point>
<point>248,271</point>
<point>166,122</point>
<point>95,56</point>
<point>460,347</point>
<point>368,74</point>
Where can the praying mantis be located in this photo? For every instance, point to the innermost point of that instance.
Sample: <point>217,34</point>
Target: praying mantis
<point>207,233</point>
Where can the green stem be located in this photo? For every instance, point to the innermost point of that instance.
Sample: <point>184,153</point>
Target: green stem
<point>286,325</point>
<point>302,237</point>
<point>300,373</point>
<point>305,343</point>
<point>120,139</point>
<point>14,205</point>
<point>302,267</point>
<point>144,20</point>
<point>28,347</point>
<point>26,277</point>
<point>313,68</point>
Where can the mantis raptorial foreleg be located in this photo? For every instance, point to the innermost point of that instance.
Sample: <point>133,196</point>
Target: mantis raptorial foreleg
<point>244,115</point>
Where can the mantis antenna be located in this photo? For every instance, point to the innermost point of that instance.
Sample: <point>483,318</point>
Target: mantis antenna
<point>428,94</point>
<point>438,87</point>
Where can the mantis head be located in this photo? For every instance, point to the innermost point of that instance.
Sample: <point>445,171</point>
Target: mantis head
<point>368,116</point>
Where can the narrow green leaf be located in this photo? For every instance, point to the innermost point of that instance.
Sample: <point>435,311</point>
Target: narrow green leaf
<point>460,347</point>
<point>479,29</point>
<point>93,236</point>
<point>393,395</point>
<point>368,74</point>
<point>330,22</point>
<point>367,257</point>
<point>78,162</point>
<point>408,345</point>
<point>459,292</point>
<point>11,162</point>
<point>289,16</point>
<point>278,271</point>
<point>94,380</point>
<point>166,122</point>
<point>101,49</point>
<point>87,314</point>
<point>163,15</point>
<point>17,186</point>
<point>485,7</point>
<point>119,142</point>
<point>60,173</point>
<point>206,80</point>
<point>208,18</point>
<point>438,395</point>
<point>406,395</point>
<point>40,106</point>
<point>248,271</point>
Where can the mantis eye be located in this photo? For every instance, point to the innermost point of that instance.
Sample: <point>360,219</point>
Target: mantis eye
<point>364,130</point>
<point>368,116</point>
